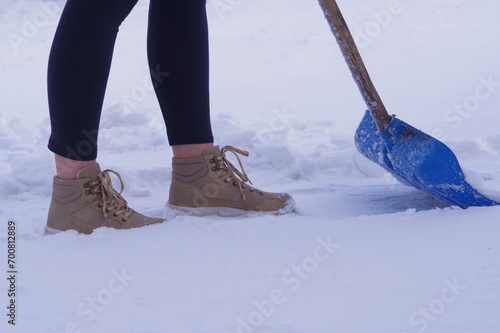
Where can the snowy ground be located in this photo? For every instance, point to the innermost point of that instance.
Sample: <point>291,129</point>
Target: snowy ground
<point>361,254</point>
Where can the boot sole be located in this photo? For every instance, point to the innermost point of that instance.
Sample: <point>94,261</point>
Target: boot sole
<point>171,211</point>
<point>52,231</point>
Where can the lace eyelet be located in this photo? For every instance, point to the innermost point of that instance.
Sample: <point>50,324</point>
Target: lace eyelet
<point>100,205</point>
<point>215,168</point>
<point>124,220</point>
<point>235,183</point>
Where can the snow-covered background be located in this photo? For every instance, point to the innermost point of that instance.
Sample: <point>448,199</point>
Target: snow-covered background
<point>361,254</point>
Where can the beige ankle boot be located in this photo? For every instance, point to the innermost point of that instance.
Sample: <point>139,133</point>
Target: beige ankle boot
<point>90,202</point>
<point>211,185</point>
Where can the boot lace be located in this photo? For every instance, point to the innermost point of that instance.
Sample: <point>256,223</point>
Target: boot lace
<point>111,199</point>
<point>229,172</point>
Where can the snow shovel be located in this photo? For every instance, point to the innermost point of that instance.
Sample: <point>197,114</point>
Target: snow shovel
<point>410,155</point>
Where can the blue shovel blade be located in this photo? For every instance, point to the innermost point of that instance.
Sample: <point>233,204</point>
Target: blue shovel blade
<point>419,160</point>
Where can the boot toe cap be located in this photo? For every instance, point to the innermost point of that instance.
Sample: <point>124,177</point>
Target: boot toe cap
<point>281,203</point>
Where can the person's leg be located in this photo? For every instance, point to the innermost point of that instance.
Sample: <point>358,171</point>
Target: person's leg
<point>203,180</point>
<point>83,197</point>
<point>191,151</point>
<point>178,60</point>
<point>78,71</point>
<point>67,168</point>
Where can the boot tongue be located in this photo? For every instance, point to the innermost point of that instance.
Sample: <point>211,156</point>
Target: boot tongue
<point>212,151</point>
<point>89,172</point>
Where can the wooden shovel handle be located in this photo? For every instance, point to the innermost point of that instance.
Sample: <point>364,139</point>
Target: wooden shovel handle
<point>355,62</point>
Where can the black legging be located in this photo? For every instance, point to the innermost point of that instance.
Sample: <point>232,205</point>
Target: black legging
<point>80,61</point>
